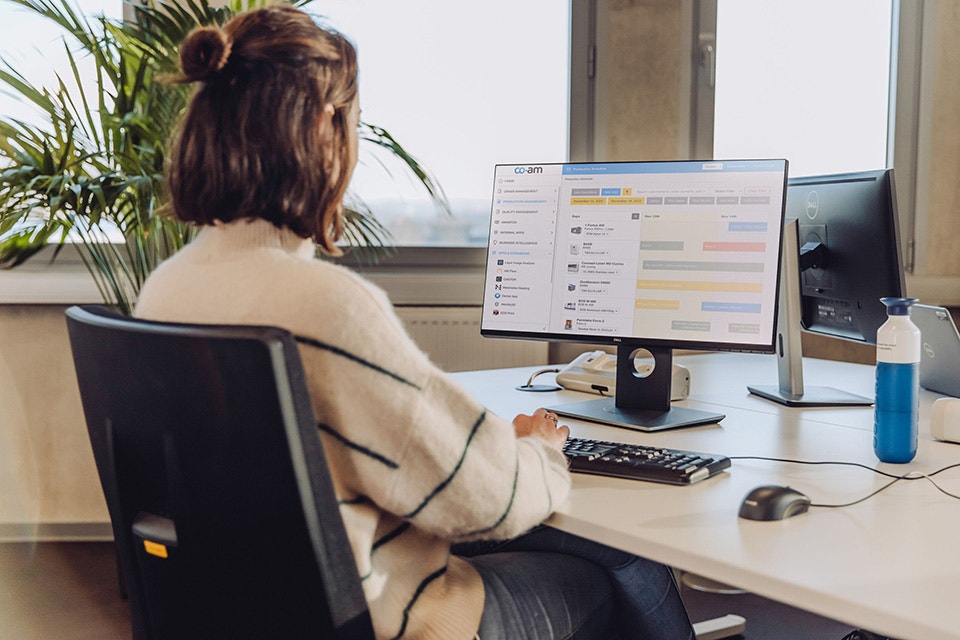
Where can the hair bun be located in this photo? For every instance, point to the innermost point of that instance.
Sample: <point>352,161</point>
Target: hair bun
<point>204,52</point>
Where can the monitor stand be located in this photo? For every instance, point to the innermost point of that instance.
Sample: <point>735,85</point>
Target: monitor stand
<point>641,403</point>
<point>790,391</point>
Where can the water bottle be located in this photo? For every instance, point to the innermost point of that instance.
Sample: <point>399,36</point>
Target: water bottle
<point>896,405</point>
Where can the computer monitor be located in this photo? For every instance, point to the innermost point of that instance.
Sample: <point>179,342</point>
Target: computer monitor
<point>842,254</point>
<point>641,255</point>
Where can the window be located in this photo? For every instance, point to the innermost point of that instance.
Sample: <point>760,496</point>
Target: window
<point>808,81</point>
<point>461,87</point>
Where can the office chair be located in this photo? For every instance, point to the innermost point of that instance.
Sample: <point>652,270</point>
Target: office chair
<point>223,511</point>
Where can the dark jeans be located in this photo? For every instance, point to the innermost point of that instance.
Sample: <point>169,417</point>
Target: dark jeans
<point>551,585</point>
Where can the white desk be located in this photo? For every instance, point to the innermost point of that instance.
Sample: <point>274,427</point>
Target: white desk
<point>890,564</point>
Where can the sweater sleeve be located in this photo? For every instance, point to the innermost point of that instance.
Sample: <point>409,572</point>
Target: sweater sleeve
<point>418,445</point>
<point>474,478</point>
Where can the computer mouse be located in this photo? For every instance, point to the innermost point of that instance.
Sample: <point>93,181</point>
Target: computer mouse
<point>773,502</point>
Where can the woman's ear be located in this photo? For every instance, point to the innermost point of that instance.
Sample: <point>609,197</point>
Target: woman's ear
<point>326,118</point>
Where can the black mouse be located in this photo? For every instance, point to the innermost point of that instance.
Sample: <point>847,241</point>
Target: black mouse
<point>773,502</point>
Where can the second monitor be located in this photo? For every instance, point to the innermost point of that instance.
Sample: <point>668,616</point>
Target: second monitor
<point>642,255</point>
<point>841,255</point>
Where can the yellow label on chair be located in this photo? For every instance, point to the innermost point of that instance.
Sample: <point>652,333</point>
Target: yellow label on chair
<point>155,549</point>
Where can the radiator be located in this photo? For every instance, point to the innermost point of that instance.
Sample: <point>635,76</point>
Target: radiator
<point>451,337</point>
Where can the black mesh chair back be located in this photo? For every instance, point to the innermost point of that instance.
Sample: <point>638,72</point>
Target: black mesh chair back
<point>223,511</point>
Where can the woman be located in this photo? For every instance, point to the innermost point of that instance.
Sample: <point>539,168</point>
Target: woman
<point>261,162</point>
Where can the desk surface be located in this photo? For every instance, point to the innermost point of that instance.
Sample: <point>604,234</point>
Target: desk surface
<point>890,564</point>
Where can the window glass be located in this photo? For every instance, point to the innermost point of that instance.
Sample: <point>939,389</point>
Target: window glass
<point>808,81</point>
<point>462,86</point>
<point>34,47</point>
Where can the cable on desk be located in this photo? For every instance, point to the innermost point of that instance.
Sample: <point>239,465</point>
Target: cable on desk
<point>912,475</point>
<point>529,386</point>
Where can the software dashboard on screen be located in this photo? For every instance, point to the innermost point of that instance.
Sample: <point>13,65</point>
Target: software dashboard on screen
<point>677,254</point>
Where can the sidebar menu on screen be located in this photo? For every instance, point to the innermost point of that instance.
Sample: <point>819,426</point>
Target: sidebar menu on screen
<point>523,245</point>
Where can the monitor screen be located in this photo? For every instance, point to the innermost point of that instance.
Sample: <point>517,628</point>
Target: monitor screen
<point>643,255</point>
<point>681,254</point>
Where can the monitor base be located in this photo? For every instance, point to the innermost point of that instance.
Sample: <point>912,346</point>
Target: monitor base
<point>811,397</point>
<point>605,411</point>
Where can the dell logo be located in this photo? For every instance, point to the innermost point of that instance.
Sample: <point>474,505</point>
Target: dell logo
<point>522,170</point>
<point>812,205</point>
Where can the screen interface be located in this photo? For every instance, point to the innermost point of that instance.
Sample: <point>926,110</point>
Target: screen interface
<point>666,252</point>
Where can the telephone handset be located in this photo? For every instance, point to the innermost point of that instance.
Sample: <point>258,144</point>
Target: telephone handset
<point>596,372</point>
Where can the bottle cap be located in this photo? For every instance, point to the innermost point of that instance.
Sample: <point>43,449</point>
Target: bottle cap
<point>898,306</point>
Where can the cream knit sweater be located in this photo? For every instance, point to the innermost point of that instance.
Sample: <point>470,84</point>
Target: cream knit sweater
<point>417,463</point>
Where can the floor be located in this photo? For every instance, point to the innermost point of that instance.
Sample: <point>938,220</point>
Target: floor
<point>63,590</point>
<point>68,591</point>
<point>766,619</point>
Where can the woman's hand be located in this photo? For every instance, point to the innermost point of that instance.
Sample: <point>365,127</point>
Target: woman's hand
<point>542,424</point>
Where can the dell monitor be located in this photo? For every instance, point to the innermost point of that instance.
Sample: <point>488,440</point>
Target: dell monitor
<point>841,255</point>
<point>649,256</point>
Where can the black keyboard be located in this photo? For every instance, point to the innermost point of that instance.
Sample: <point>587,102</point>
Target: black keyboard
<point>638,462</point>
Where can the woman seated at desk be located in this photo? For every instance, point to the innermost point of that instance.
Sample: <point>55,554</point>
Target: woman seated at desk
<point>261,162</point>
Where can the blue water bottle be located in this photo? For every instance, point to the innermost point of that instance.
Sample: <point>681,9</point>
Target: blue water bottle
<point>896,406</point>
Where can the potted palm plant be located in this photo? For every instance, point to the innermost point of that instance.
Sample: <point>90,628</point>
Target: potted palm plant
<point>92,173</point>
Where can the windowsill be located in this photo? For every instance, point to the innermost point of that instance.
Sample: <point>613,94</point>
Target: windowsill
<point>413,276</point>
<point>52,286</point>
<point>40,281</point>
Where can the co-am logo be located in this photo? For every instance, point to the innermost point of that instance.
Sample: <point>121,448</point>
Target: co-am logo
<point>523,170</point>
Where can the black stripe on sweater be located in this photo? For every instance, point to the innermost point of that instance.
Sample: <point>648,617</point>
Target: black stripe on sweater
<point>390,535</point>
<point>440,487</point>
<point>420,589</point>
<point>358,447</point>
<point>355,358</point>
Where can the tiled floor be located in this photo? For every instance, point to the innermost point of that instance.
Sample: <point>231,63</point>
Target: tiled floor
<point>69,591</point>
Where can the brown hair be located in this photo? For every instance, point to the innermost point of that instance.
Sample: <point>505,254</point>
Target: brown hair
<point>250,144</point>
